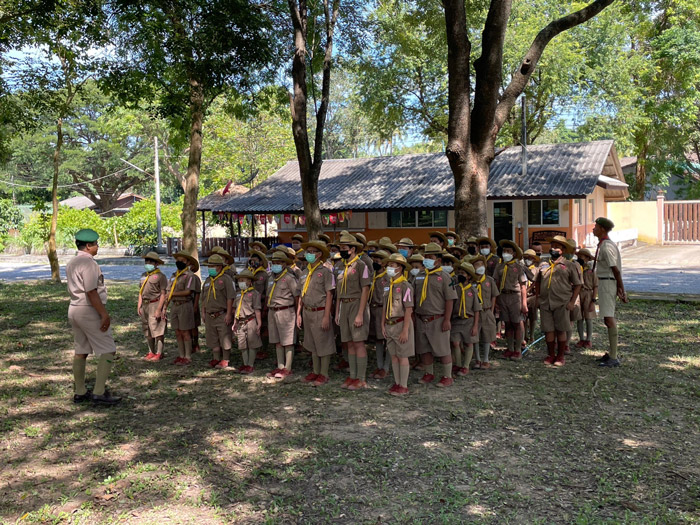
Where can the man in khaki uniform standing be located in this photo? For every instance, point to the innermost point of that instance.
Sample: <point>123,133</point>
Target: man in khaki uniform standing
<point>89,319</point>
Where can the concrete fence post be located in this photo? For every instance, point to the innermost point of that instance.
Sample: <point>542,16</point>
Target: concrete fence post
<point>660,199</point>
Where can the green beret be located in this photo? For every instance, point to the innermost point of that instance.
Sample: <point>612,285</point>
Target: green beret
<point>605,223</point>
<point>86,235</point>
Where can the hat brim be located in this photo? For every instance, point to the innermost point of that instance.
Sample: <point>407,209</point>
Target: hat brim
<point>190,259</point>
<point>258,254</point>
<point>405,264</point>
<point>323,248</point>
<point>567,247</point>
<point>487,240</point>
<point>439,235</point>
<point>515,247</point>
<point>153,257</point>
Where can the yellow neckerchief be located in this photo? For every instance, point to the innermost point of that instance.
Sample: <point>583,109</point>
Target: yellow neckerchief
<point>238,309</point>
<point>257,270</point>
<point>391,289</point>
<point>424,290</point>
<point>552,267</point>
<point>148,274</point>
<point>172,288</point>
<point>312,269</point>
<point>211,284</point>
<point>478,288</point>
<point>374,280</point>
<point>344,285</point>
<point>272,290</point>
<point>505,272</point>
<point>462,304</point>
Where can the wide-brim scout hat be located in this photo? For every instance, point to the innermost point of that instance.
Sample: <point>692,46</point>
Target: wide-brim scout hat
<point>245,274</point>
<point>87,235</point>
<point>433,248</point>
<point>218,249</point>
<point>457,248</point>
<point>452,234</point>
<point>451,258</point>
<point>291,252</point>
<point>510,244</point>
<point>469,268</point>
<point>190,260</point>
<point>530,254</point>
<point>397,258</point>
<point>572,243</point>
<point>605,223</point>
<point>380,254</point>
<point>215,260</point>
<point>405,241</point>
<point>257,245</point>
<point>154,256</point>
<point>439,235</point>
<point>325,238</point>
<point>319,245</point>
<point>280,256</point>
<point>298,237</point>
<point>388,247</point>
<point>560,239</point>
<point>476,258</point>
<point>350,240</point>
<point>372,244</point>
<point>585,252</point>
<point>260,255</point>
<point>472,240</point>
<point>487,240</point>
<point>360,238</point>
<point>415,258</point>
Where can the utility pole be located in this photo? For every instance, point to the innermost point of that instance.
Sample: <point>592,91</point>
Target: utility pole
<point>159,223</point>
<point>523,135</point>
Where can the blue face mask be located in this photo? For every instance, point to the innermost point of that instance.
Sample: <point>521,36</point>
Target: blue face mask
<point>429,264</point>
<point>310,257</point>
<point>403,251</point>
<point>276,268</point>
<point>212,272</point>
<point>149,267</point>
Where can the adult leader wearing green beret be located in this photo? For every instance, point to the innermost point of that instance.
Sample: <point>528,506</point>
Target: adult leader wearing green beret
<point>88,316</point>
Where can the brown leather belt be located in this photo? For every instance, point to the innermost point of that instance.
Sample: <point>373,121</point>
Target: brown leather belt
<point>510,291</point>
<point>246,320</point>
<point>182,302</point>
<point>216,314</point>
<point>458,317</point>
<point>309,309</point>
<point>154,300</point>
<point>279,308</point>
<point>391,322</point>
<point>428,318</point>
<point>349,299</point>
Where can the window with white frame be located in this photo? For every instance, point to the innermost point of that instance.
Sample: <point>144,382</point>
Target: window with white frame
<point>420,219</point>
<point>543,212</point>
<point>579,203</point>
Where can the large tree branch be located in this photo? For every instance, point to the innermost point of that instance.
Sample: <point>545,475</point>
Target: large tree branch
<point>298,99</point>
<point>527,66</point>
<point>331,18</point>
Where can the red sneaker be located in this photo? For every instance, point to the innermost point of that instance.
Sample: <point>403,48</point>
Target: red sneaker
<point>507,354</point>
<point>455,369</point>
<point>444,382</point>
<point>516,356</point>
<point>213,363</point>
<point>246,369</point>
<point>427,378</point>
<point>580,344</point>
<point>310,378</point>
<point>549,360</point>
<point>347,382</point>
<point>178,360</point>
<point>559,361</point>
<point>477,365</point>
<point>400,391</point>
<point>283,373</point>
<point>222,364</point>
<point>381,374</point>
<point>273,373</point>
<point>485,366</point>
<point>157,357</point>
<point>588,344</point>
<point>149,356</point>
<point>357,384</point>
<point>567,350</point>
<point>342,365</point>
<point>320,380</point>
<point>392,388</point>
<point>184,361</point>
<point>463,371</point>
<point>375,374</point>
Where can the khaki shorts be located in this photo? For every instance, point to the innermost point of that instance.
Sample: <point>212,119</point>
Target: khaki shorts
<point>281,326</point>
<point>375,322</point>
<point>396,349</point>
<point>431,339</point>
<point>462,331</point>
<point>346,321</point>
<point>150,326</point>
<point>509,307</point>
<point>558,319</point>
<point>586,302</point>
<point>607,295</point>
<point>247,336</point>
<point>182,316</point>
<point>86,330</point>
<point>218,332</point>
<point>316,340</point>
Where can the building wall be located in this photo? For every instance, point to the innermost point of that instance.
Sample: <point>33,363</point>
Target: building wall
<point>641,215</point>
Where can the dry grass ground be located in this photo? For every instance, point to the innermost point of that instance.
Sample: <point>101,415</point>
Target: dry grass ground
<point>518,444</point>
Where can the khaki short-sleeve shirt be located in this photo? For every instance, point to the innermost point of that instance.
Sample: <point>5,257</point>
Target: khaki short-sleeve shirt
<point>608,256</point>
<point>84,275</point>
<point>282,290</point>
<point>322,282</point>
<point>251,302</point>
<point>515,276</point>
<point>381,285</point>
<point>440,290</point>
<point>185,281</point>
<point>358,276</point>
<point>157,284</point>
<point>467,302</point>
<point>557,291</point>
<point>488,289</point>
<point>216,302</point>
<point>402,297</point>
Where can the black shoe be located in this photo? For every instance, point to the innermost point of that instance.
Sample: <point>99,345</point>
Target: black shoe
<point>610,363</point>
<point>106,399</point>
<point>603,359</point>
<point>80,398</point>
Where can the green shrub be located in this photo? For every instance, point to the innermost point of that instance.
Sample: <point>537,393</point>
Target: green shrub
<point>35,233</point>
<point>138,226</point>
<point>10,216</point>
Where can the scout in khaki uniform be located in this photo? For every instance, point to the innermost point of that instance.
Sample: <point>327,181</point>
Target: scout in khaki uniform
<point>575,314</point>
<point>405,247</point>
<point>380,283</point>
<point>352,314</point>
<point>589,292</point>
<point>292,267</point>
<point>181,288</point>
<point>449,263</point>
<point>435,301</point>
<point>512,301</point>
<point>325,238</point>
<point>151,306</point>
<point>230,267</point>
<point>452,239</point>
<point>281,302</point>
<point>297,239</point>
<point>608,269</point>
<point>487,248</point>
<point>416,266</point>
<point>364,256</point>
<point>531,262</point>
<point>465,319</point>
<point>397,322</point>
<point>487,291</point>
<point>438,238</point>
<point>258,264</point>
<point>87,314</point>
<point>472,247</point>
<point>247,321</point>
<point>557,288</point>
<point>218,294</point>
<point>315,309</point>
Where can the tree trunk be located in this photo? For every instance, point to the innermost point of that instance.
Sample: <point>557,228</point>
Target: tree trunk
<point>640,175</point>
<point>312,211</point>
<point>52,252</point>
<point>471,173</point>
<point>191,186</point>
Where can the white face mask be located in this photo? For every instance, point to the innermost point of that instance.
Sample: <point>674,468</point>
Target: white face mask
<point>481,270</point>
<point>528,262</point>
<point>392,272</point>
<point>574,258</point>
<point>448,269</point>
<point>590,264</point>
<point>415,271</point>
<point>507,257</point>
<point>242,285</point>
<point>485,251</point>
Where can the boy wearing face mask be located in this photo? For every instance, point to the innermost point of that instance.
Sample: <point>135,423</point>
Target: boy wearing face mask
<point>181,288</point>
<point>557,287</point>
<point>438,238</point>
<point>465,319</point>
<point>218,294</point>
<point>452,239</point>
<point>258,264</point>
<point>589,292</point>
<point>352,314</point>
<point>282,299</point>
<point>487,291</point>
<point>230,267</point>
<point>151,306</point>
<point>247,320</point>
<point>397,322</point>
<point>314,311</point>
<point>487,248</point>
<point>531,262</point>
<point>380,283</point>
<point>405,247</point>
<point>472,247</point>
<point>512,301</point>
<point>449,263</point>
<point>416,266</point>
<point>435,302</point>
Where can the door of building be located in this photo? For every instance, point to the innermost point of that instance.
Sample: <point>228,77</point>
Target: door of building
<point>502,221</point>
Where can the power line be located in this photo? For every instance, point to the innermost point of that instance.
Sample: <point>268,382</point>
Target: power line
<point>64,185</point>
